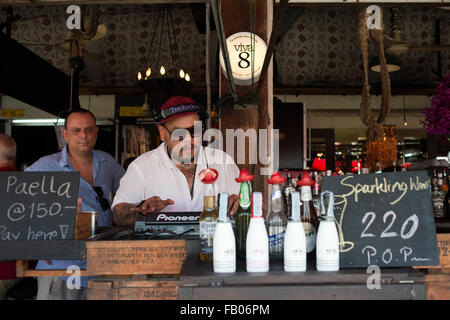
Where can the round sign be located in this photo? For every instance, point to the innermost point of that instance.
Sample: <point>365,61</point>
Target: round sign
<point>240,50</point>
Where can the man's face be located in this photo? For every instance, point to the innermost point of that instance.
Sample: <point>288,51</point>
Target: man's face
<point>171,132</point>
<point>81,133</point>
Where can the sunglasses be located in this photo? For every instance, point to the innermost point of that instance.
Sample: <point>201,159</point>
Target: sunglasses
<point>103,202</point>
<point>180,133</point>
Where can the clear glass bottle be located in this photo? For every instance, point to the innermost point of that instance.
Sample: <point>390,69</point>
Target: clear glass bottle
<point>288,188</point>
<point>276,223</point>
<point>207,221</point>
<point>316,197</point>
<point>309,216</point>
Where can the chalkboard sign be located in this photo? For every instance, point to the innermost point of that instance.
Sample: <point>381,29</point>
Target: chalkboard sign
<point>384,219</point>
<point>38,205</point>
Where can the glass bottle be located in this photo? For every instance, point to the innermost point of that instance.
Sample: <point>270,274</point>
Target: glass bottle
<point>257,246</point>
<point>327,258</point>
<point>316,196</point>
<point>295,241</point>
<point>447,195</point>
<point>288,188</point>
<point>242,217</point>
<point>437,197</point>
<point>309,216</point>
<point>224,245</point>
<point>208,219</point>
<point>276,224</point>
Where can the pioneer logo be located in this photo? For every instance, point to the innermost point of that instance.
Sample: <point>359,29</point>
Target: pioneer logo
<point>169,218</point>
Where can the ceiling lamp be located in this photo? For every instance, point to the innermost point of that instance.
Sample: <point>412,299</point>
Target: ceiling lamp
<point>392,63</point>
<point>163,74</point>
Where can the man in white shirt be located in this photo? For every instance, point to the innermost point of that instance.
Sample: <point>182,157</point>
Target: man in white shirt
<point>167,178</point>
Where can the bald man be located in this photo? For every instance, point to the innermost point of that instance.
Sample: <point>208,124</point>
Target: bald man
<point>7,163</point>
<point>7,152</point>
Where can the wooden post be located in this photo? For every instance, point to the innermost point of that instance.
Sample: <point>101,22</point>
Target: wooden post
<point>262,117</point>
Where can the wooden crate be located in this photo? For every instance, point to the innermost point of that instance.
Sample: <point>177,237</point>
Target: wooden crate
<point>438,277</point>
<point>135,257</point>
<point>133,289</point>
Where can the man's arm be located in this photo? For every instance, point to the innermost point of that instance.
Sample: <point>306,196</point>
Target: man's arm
<point>126,214</point>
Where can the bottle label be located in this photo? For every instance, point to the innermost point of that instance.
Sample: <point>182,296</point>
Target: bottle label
<point>276,240</point>
<point>310,234</point>
<point>207,230</point>
<point>244,195</point>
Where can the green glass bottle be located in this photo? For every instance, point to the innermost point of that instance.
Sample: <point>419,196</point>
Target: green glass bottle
<point>243,214</point>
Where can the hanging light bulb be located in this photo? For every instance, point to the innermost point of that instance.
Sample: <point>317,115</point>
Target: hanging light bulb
<point>139,76</point>
<point>148,72</point>
<point>182,74</point>
<point>187,77</point>
<point>405,123</point>
<point>162,70</point>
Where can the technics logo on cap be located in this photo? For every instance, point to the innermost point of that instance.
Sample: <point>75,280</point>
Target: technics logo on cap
<point>179,109</point>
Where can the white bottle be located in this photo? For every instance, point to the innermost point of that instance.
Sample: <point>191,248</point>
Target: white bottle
<point>327,246</point>
<point>224,245</point>
<point>294,239</point>
<point>257,242</point>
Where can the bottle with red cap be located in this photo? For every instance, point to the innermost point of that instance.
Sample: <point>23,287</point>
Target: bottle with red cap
<point>243,214</point>
<point>276,219</point>
<point>209,215</point>
<point>308,212</point>
<point>257,246</point>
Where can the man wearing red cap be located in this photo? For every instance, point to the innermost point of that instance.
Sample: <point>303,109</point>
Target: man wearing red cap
<point>167,178</point>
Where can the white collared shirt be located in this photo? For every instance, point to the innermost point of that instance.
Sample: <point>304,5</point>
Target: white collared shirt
<point>155,174</point>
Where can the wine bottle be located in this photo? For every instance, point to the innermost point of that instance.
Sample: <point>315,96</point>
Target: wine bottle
<point>295,240</point>
<point>257,243</point>
<point>308,214</point>
<point>224,245</point>
<point>207,221</point>
<point>327,258</point>
<point>276,219</point>
<point>243,213</point>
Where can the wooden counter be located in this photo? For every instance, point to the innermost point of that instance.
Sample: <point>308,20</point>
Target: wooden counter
<point>197,281</point>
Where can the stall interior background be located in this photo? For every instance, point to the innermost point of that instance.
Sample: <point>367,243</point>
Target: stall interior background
<point>317,53</point>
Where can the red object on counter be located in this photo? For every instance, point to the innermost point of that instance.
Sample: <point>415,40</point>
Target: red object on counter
<point>8,269</point>
<point>244,176</point>
<point>305,180</point>
<point>276,178</point>
<point>208,175</point>
<point>319,164</point>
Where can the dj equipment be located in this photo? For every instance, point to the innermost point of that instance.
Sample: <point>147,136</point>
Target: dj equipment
<point>169,225</point>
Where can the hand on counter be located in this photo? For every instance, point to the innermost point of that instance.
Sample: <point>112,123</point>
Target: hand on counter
<point>233,204</point>
<point>153,204</point>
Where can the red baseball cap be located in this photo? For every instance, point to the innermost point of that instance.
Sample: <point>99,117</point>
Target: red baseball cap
<point>178,106</point>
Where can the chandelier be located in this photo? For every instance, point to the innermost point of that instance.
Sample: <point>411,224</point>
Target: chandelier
<point>164,75</point>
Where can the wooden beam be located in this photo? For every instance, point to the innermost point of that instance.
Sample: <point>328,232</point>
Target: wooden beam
<point>295,91</point>
<point>351,91</point>
<point>84,2</point>
<point>260,119</point>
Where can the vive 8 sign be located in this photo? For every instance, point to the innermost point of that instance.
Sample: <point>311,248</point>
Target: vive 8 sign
<point>240,50</point>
